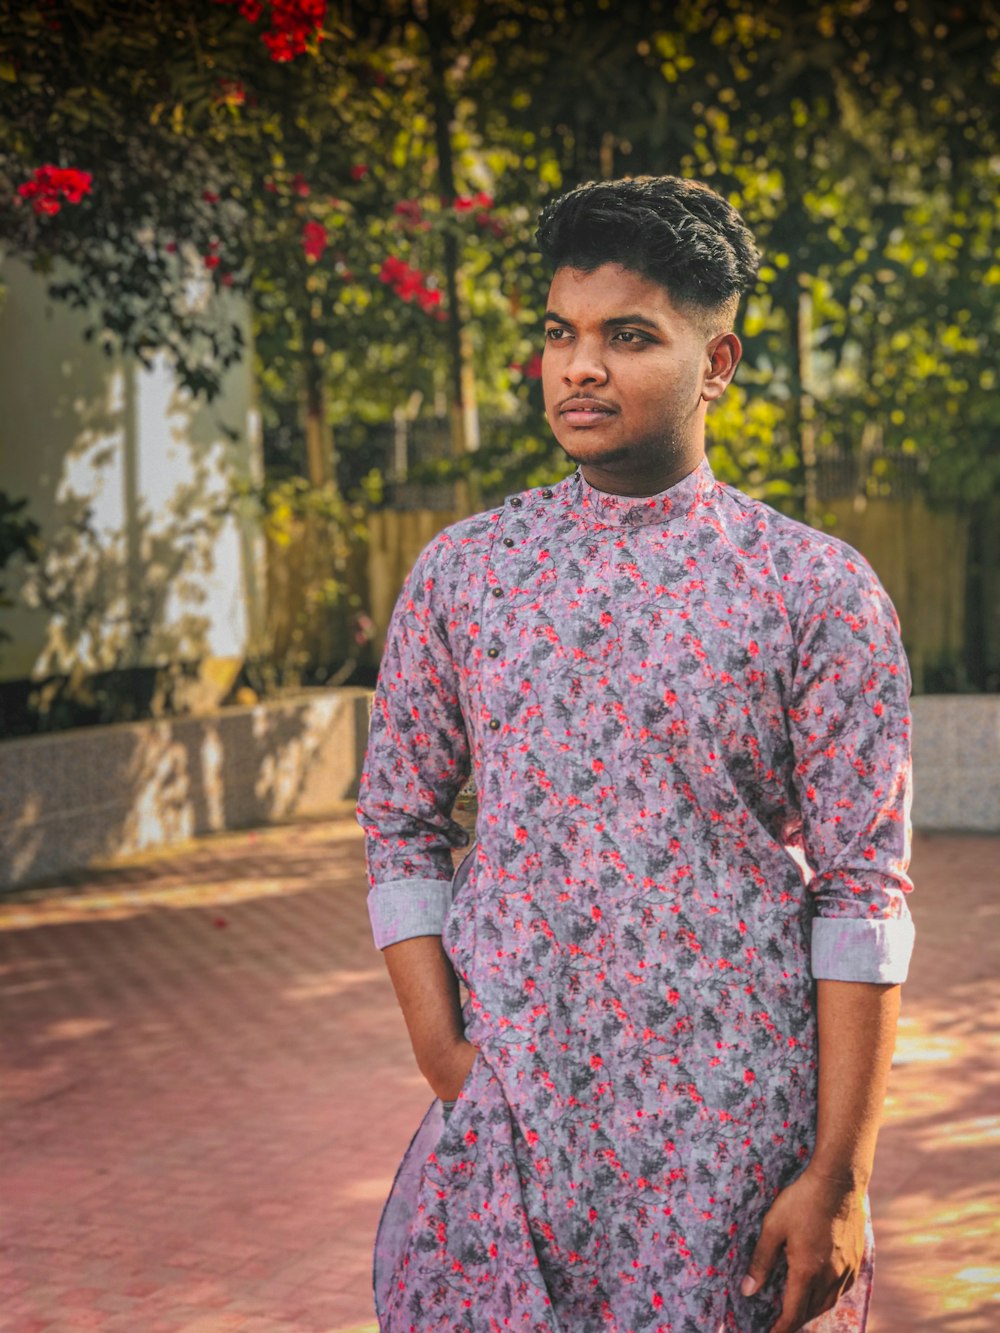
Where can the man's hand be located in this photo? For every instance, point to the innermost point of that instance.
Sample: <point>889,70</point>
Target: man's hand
<point>450,1070</point>
<point>820,1224</point>
<point>427,990</point>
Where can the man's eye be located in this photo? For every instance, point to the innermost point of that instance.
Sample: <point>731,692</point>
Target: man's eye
<point>554,335</point>
<point>630,336</point>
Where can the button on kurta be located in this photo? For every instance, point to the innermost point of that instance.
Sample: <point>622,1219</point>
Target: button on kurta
<point>494,724</point>
<point>492,652</point>
<point>498,592</point>
<point>508,541</point>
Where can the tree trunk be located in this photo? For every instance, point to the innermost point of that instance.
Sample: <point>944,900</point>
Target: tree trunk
<point>319,437</point>
<point>805,416</point>
<point>463,412</point>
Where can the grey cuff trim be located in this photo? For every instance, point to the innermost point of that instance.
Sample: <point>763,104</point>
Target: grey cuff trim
<point>849,949</point>
<point>403,908</point>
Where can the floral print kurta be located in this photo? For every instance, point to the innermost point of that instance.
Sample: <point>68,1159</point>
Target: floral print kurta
<point>686,717</point>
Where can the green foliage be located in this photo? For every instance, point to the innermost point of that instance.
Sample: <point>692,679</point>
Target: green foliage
<point>859,140</point>
<point>317,618</point>
<point>19,536</point>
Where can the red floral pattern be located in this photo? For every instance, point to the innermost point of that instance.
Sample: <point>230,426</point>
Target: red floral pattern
<point>658,700</point>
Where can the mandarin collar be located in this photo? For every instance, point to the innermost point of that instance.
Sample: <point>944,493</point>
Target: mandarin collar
<point>631,511</point>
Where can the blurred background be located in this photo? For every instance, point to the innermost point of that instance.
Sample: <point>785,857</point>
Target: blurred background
<point>270,319</point>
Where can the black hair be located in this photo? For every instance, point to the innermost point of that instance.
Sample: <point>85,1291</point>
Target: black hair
<point>676,232</point>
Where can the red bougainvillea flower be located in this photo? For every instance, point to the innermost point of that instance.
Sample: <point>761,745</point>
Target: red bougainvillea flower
<point>359,172</point>
<point>294,24</point>
<point>408,209</point>
<point>209,196</point>
<point>51,186</point>
<point>212,261</point>
<point>410,284</point>
<point>533,370</point>
<point>231,92</point>
<point>314,240</point>
<point>300,185</point>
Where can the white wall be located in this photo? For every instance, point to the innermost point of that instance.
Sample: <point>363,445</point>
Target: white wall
<point>124,473</point>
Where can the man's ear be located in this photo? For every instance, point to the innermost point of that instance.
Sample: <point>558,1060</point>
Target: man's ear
<point>723,352</point>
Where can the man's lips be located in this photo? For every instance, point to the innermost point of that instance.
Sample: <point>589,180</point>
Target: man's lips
<point>585,411</point>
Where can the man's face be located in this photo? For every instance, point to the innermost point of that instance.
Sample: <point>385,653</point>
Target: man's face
<point>627,376</point>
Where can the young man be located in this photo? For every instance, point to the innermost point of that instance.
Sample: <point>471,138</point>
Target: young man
<point>658,1108</point>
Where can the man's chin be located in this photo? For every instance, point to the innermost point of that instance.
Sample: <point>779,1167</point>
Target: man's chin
<point>595,453</point>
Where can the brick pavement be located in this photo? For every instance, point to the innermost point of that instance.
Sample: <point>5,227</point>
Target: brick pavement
<point>206,1088</point>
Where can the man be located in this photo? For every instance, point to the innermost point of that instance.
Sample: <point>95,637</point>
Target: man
<point>658,1108</point>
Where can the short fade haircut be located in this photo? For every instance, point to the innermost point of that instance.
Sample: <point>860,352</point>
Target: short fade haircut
<point>676,232</point>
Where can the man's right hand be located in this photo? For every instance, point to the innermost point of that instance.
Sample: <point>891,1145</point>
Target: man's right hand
<point>450,1070</point>
<point>427,990</point>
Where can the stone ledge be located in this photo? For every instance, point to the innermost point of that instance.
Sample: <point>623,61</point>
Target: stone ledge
<point>956,762</point>
<point>92,795</point>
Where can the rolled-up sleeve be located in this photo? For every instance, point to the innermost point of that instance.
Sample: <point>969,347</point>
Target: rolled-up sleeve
<point>416,763</point>
<point>849,720</point>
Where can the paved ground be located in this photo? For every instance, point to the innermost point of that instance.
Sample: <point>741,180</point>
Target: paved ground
<point>206,1088</point>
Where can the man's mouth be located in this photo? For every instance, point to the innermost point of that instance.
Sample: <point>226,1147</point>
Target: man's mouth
<point>585,411</point>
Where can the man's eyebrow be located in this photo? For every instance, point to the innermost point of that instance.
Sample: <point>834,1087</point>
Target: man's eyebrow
<point>553,317</point>
<point>644,320</point>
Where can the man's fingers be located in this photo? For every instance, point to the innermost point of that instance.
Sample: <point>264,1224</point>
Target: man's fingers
<point>796,1308</point>
<point>761,1261</point>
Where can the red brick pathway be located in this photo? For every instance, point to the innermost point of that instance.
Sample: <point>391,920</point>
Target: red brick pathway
<point>206,1088</point>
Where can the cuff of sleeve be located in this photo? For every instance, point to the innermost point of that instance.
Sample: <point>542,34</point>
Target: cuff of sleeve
<point>403,908</point>
<point>849,949</point>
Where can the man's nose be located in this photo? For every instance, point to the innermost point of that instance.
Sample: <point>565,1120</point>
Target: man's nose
<point>585,365</point>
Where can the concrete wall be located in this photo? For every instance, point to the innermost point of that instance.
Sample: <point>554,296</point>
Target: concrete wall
<point>127,476</point>
<point>77,798</point>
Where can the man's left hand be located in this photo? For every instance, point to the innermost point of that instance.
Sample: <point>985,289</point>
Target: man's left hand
<point>820,1223</point>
